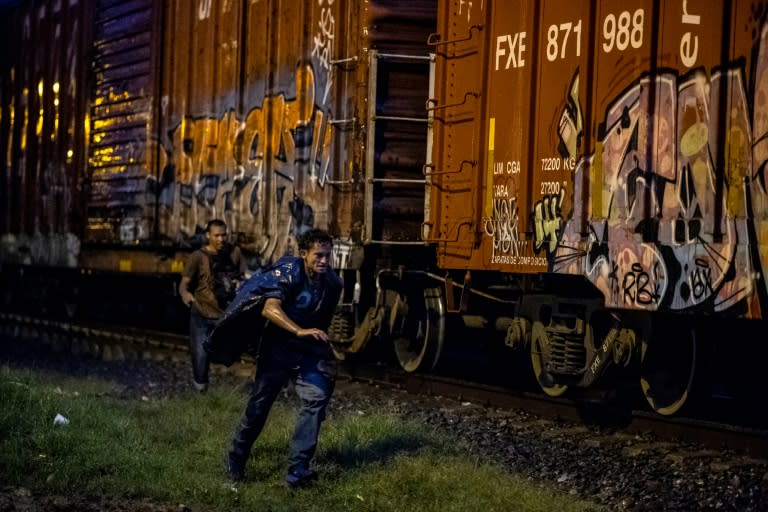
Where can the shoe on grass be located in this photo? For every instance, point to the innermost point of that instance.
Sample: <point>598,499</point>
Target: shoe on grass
<point>235,469</point>
<point>300,477</point>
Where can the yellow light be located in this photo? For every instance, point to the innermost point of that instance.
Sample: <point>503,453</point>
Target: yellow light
<point>56,102</point>
<point>56,87</point>
<point>40,88</point>
<point>70,153</point>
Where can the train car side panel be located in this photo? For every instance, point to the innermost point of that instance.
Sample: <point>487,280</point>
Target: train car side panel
<point>43,122</point>
<point>669,228</point>
<point>511,67</point>
<point>120,204</point>
<point>563,56</point>
<point>457,173</point>
<point>639,176</point>
<point>747,148</point>
<point>201,89</point>
<point>604,225</point>
<point>248,132</point>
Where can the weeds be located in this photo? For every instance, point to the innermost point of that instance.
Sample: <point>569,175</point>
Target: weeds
<point>173,451</point>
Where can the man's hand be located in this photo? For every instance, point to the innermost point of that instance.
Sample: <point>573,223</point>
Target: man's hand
<point>187,298</point>
<point>273,312</point>
<point>318,334</point>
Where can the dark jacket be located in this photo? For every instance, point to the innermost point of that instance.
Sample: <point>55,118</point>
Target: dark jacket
<point>241,327</point>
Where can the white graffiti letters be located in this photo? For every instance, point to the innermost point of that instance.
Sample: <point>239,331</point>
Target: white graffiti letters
<point>502,227</point>
<point>323,44</point>
<point>204,9</point>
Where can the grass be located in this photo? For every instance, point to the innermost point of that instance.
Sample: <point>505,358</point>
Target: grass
<point>172,451</point>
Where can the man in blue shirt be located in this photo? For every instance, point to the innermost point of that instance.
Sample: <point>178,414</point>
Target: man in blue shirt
<point>297,296</point>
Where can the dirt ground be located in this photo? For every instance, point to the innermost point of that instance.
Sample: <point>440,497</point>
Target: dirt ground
<point>20,499</point>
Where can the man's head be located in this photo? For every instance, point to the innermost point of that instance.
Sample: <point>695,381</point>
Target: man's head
<point>216,234</point>
<point>315,248</point>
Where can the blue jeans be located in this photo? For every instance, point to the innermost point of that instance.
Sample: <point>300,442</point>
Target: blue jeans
<point>199,329</point>
<point>312,368</point>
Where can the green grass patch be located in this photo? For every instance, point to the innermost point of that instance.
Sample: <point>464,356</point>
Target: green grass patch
<point>173,451</point>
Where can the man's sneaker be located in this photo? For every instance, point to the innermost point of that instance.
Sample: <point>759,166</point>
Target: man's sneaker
<point>200,387</point>
<point>235,469</point>
<point>300,477</point>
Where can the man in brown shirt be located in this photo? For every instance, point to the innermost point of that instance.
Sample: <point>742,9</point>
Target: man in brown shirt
<point>208,282</point>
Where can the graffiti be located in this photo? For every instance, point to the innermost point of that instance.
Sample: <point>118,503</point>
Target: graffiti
<point>302,215</point>
<point>468,4</point>
<point>638,286</point>
<point>323,44</point>
<point>570,128</point>
<point>699,282</point>
<point>548,221</point>
<point>347,254</point>
<point>204,9</point>
<point>239,169</point>
<point>503,227</point>
<point>661,235</point>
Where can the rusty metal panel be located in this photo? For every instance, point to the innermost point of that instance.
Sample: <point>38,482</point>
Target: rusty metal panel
<point>456,170</point>
<point>565,45</point>
<point>200,102</point>
<point>257,118</point>
<point>527,64</point>
<point>508,168</point>
<point>747,147</point>
<point>670,214</point>
<point>44,88</point>
<point>120,207</point>
<point>609,136</point>
<point>640,137</point>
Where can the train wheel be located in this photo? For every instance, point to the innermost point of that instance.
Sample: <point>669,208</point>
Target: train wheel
<point>668,367</point>
<point>417,327</point>
<point>539,353</point>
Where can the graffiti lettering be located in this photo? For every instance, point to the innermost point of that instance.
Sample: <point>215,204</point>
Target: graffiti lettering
<point>502,227</point>
<point>638,287</point>
<point>699,282</point>
<point>548,221</point>
<point>469,8</point>
<point>216,167</point>
<point>204,9</point>
<point>323,45</point>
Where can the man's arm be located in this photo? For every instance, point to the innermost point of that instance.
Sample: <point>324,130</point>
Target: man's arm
<point>239,260</point>
<point>273,311</point>
<point>186,297</point>
<point>191,270</point>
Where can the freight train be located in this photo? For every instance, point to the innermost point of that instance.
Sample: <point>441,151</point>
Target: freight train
<point>582,182</point>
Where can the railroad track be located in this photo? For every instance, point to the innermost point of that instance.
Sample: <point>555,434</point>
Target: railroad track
<point>114,343</point>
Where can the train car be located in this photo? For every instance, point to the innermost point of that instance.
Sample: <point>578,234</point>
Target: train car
<point>581,182</point>
<point>126,126</point>
<point>616,153</point>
